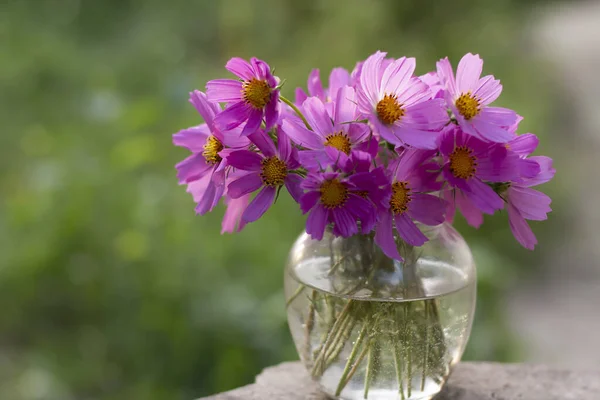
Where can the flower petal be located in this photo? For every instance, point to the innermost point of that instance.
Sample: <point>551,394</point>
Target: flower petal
<point>370,79</point>
<point>397,75</point>
<point>245,160</point>
<point>207,109</point>
<point>446,76</point>
<point>224,90</point>
<point>284,147</point>
<point>297,132</point>
<point>532,204</point>
<point>272,110</point>
<point>293,185</point>
<point>233,116</point>
<point>244,185</point>
<point>314,85</point>
<point>316,222</point>
<point>483,196</point>
<point>344,223</point>
<point>264,143</point>
<point>488,90</point>
<point>408,230</point>
<point>338,78</point>
<point>520,229</point>
<point>524,145</point>
<point>232,220</point>
<point>471,213</point>
<point>317,116</point>
<point>253,123</point>
<point>345,105</point>
<point>240,67</point>
<point>468,72</point>
<point>384,236</point>
<point>260,204</point>
<point>309,200</point>
<point>192,168</point>
<point>427,209</point>
<point>193,138</point>
<point>546,171</point>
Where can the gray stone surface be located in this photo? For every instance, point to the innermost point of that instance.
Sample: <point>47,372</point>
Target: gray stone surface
<point>470,381</point>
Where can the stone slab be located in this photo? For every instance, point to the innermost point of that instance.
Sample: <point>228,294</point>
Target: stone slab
<point>470,381</point>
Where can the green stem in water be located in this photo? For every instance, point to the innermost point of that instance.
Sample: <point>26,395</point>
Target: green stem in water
<point>310,323</point>
<point>296,110</point>
<point>349,363</point>
<point>372,361</point>
<point>293,296</point>
<point>331,336</point>
<point>426,353</point>
<point>398,359</point>
<point>408,344</point>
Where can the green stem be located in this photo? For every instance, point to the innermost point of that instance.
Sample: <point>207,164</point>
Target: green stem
<point>398,359</point>
<point>349,363</point>
<point>371,366</point>
<point>331,336</point>
<point>310,322</point>
<point>409,349</point>
<point>296,110</point>
<point>293,296</point>
<point>426,353</point>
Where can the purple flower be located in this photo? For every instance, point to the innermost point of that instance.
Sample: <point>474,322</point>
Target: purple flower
<point>232,220</point>
<point>332,198</point>
<point>524,203</point>
<point>331,139</point>
<point>269,170</point>
<point>469,161</point>
<point>338,78</point>
<point>469,96</point>
<point>398,105</point>
<point>255,97</point>
<point>204,170</point>
<point>408,202</point>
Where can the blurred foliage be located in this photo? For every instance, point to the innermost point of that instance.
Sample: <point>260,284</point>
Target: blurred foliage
<point>111,288</point>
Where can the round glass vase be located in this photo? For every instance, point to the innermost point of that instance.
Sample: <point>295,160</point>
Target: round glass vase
<point>370,327</point>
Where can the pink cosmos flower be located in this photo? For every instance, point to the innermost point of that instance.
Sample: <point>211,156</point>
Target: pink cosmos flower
<point>204,170</point>
<point>398,105</point>
<point>408,202</point>
<point>469,97</point>
<point>338,78</point>
<point>269,170</point>
<point>468,162</point>
<point>332,198</point>
<point>524,203</point>
<point>332,139</point>
<point>255,97</point>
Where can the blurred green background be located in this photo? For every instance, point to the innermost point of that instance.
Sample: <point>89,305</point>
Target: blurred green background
<point>110,286</point>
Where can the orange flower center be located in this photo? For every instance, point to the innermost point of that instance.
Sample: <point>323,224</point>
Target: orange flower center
<point>273,171</point>
<point>400,197</point>
<point>212,147</point>
<point>333,193</point>
<point>467,105</point>
<point>389,110</point>
<point>463,164</point>
<point>256,92</point>
<point>339,140</point>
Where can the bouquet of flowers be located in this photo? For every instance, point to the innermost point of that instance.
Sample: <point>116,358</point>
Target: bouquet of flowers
<point>375,156</point>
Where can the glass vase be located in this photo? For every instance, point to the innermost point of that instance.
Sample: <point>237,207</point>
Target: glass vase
<point>370,327</point>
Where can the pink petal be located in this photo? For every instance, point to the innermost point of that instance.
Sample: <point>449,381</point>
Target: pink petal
<point>488,130</point>
<point>314,160</point>
<point>345,105</point>
<point>233,116</point>
<point>449,196</point>
<point>446,75</point>
<point>260,204</point>
<point>384,236</point>
<point>483,196</point>
<point>245,160</point>
<point>344,223</point>
<point>417,138</point>
<point>315,87</point>
<point>338,78</point>
<point>414,92</point>
<point>499,165</point>
<point>427,209</point>
<point>300,96</point>
<point>309,200</point>
<point>532,204</point>
<point>232,220</point>
<point>192,168</point>
<point>447,141</point>
<point>317,116</point>
<point>488,90</point>
<point>264,143</point>
<point>471,213</point>
<point>224,90</point>
<point>298,133</point>
<point>408,230</point>
<point>362,209</point>
<point>292,184</point>
<point>315,224</point>
<point>244,185</point>
<point>397,75</point>
<point>546,171</point>
<point>205,108</point>
<point>426,115</point>
<point>193,138</point>
<point>370,77</point>
<point>253,123</point>
<point>468,72</point>
<point>240,67</point>
<point>272,110</point>
<point>524,145</point>
<point>520,229</point>
<point>284,147</point>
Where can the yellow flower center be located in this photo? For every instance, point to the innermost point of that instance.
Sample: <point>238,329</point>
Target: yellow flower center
<point>333,193</point>
<point>339,140</point>
<point>467,105</point>
<point>389,110</point>
<point>256,93</point>
<point>212,147</point>
<point>400,197</point>
<point>273,171</point>
<point>463,163</point>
